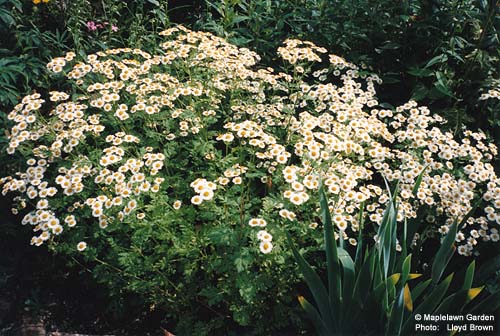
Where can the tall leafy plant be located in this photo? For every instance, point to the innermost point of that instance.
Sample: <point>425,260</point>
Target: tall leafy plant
<point>375,290</point>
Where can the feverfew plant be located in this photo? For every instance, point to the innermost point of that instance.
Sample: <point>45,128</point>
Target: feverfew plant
<point>197,141</point>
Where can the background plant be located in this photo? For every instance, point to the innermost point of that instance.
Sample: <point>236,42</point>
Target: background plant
<point>27,44</point>
<point>33,32</point>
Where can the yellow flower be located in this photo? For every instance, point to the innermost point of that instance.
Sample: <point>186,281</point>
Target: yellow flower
<point>36,2</point>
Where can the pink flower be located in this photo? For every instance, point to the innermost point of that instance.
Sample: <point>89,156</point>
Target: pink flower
<point>91,26</point>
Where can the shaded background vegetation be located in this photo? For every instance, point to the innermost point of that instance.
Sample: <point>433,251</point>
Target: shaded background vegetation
<point>443,54</point>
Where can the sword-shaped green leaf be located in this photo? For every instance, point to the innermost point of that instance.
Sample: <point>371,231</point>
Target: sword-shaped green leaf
<point>418,182</point>
<point>405,271</point>
<point>469,275</point>
<point>396,315</point>
<point>359,248</point>
<point>385,234</point>
<point>349,271</point>
<point>347,281</point>
<point>315,285</point>
<point>419,289</point>
<point>391,290</point>
<point>365,279</point>
<point>332,259</point>
<point>444,254</point>
<point>488,305</point>
<point>314,316</point>
<point>452,303</point>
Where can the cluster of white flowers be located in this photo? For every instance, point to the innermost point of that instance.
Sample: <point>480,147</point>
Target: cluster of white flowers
<point>204,190</point>
<point>491,93</point>
<point>266,245</point>
<point>98,155</point>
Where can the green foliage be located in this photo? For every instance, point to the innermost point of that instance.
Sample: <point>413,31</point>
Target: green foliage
<point>383,299</point>
<point>112,23</point>
<point>24,51</point>
<point>33,33</point>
